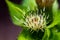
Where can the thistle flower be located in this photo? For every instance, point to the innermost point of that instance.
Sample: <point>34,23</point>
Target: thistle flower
<point>28,16</point>
<point>35,21</point>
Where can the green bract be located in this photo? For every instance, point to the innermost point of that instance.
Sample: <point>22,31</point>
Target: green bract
<point>37,23</point>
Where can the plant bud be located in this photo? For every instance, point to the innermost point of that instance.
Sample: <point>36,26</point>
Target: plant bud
<point>44,3</point>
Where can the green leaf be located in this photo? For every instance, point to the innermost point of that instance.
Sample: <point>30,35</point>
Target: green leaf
<point>56,20</point>
<point>30,4</point>
<point>46,34</point>
<point>24,35</point>
<point>56,15</point>
<point>16,13</point>
<point>55,33</point>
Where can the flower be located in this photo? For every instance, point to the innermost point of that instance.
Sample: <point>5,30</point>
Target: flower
<point>27,16</point>
<point>35,21</point>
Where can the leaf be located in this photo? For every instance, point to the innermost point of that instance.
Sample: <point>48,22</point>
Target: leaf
<point>30,4</point>
<point>46,34</point>
<point>55,33</point>
<point>56,15</point>
<point>16,13</point>
<point>24,35</point>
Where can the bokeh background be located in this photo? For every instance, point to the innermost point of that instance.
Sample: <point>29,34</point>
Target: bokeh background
<point>8,31</point>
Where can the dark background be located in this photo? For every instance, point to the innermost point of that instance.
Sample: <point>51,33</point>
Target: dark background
<point>8,31</point>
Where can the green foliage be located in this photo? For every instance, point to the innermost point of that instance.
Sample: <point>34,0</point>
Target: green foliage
<point>18,12</point>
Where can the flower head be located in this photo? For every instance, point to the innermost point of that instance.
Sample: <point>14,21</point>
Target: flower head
<point>35,21</point>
